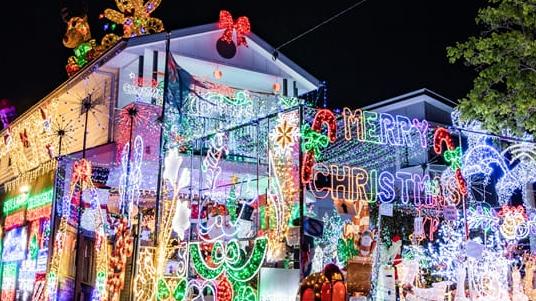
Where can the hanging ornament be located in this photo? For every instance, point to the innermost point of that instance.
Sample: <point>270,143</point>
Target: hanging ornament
<point>276,87</point>
<point>218,74</point>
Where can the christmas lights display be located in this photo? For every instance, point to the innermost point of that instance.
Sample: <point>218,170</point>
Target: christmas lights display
<point>330,238</point>
<point>144,89</point>
<point>78,37</point>
<point>285,134</point>
<point>452,156</point>
<point>228,261</point>
<point>135,17</point>
<point>241,27</point>
<point>201,186</point>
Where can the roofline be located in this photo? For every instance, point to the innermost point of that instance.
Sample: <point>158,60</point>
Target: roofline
<point>284,62</point>
<point>107,55</point>
<point>441,100</point>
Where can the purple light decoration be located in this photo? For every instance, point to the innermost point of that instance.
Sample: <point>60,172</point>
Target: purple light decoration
<point>7,112</point>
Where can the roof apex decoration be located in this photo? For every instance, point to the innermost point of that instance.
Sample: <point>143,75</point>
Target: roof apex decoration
<point>202,42</point>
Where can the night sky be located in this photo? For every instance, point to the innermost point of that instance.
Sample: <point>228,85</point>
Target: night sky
<point>381,49</point>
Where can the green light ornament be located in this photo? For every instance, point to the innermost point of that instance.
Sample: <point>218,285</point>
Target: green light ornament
<point>244,292</point>
<point>100,284</point>
<point>34,247</point>
<point>454,158</point>
<point>81,53</point>
<point>230,259</point>
<point>162,290</point>
<point>179,294</point>
<point>241,98</point>
<point>313,141</point>
<point>232,204</point>
<point>288,102</point>
<point>346,250</point>
<point>164,293</point>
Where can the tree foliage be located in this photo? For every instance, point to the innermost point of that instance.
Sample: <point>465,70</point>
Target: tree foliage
<point>503,96</point>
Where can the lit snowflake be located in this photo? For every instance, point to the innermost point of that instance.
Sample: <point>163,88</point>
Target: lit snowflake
<point>284,134</point>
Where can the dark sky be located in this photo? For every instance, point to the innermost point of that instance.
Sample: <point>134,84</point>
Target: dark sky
<point>381,49</point>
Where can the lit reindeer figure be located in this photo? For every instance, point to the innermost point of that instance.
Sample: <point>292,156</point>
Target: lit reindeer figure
<point>77,31</point>
<point>135,17</point>
<point>78,37</point>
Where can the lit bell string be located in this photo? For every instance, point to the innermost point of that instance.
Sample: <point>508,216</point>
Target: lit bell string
<point>323,116</point>
<point>241,26</point>
<point>441,136</point>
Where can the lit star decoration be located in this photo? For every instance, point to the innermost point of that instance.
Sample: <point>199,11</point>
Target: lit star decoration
<point>284,135</point>
<point>135,16</point>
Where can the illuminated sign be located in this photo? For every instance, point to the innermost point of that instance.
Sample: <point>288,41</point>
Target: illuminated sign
<point>30,202</point>
<point>14,220</point>
<point>9,278</point>
<point>27,275</point>
<point>358,184</point>
<point>384,128</point>
<point>142,89</point>
<point>15,245</point>
<point>13,204</point>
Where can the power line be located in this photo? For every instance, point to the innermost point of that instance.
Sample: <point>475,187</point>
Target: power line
<point>275,52</point>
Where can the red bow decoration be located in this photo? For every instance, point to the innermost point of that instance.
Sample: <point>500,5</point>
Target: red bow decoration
<point>241,26</point>
<point>81,172</point>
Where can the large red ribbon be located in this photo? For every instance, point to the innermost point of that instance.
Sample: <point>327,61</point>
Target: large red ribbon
<point>241,26</point>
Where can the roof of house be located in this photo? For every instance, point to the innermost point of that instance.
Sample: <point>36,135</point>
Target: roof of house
<point>260,56</point>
